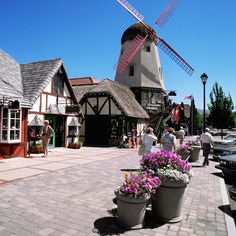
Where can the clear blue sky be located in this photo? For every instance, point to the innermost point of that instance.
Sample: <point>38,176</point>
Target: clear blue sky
<point>86,36</point>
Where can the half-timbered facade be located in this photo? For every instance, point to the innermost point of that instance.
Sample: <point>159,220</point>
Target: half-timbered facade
<point>51,93</point>
<point>110,110</point>
<point>30,93</point>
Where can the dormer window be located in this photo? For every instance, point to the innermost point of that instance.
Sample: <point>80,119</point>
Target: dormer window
<point>57,84</point>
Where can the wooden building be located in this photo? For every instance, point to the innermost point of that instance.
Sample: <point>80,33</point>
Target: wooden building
<point>110,110</point>
<point>30,93</point>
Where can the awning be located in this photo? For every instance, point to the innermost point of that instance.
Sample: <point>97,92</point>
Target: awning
<point>74,122</point>
<point>36,121</point>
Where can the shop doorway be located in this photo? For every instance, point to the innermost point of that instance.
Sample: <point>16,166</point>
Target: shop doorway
<point>97,130</point>
<point>58,124</point>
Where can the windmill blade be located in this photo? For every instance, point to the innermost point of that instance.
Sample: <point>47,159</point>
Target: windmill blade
<point>131,9</point>
<point>129,53</point>
<point>175,56</point>
<point>165,16</point>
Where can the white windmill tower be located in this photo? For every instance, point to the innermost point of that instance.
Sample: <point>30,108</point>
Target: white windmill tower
<point>139,64</point>
<point>143,74</point>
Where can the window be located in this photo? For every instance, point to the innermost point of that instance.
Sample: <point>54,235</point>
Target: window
<point>131,70</point>
<point>148,49</point>
<point>10,125</point>
<point>57,84</point>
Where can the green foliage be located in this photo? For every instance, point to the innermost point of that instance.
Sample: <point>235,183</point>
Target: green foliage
<point>221,109</point>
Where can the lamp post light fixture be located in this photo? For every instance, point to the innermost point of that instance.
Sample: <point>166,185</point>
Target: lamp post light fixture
<point>204,78</point>
<point>172,93</point>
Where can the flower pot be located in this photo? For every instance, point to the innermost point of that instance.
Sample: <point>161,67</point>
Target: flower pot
<point>183,153</point>
<point>37,149</point>
<point>131,211</point>
<point>194,153</point>
<point>167,202</point>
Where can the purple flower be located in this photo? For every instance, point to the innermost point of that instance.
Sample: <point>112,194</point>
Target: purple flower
<point>165,160</point>
<point>140,185</point>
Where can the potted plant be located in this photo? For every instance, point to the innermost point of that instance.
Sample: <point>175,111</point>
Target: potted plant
<point>185,150</point>
<point>174,174</point>
<point>75,145</point>
<point>37,148</point>
<point>132,198</point>
<point>195,152</point>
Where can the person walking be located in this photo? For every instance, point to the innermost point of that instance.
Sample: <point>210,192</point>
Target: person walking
<point>206,143</point>
<point>134,137</point>
<point>147,140</point>
<point>168,140</point>
<point>181,134</point>
<point>47,134</point>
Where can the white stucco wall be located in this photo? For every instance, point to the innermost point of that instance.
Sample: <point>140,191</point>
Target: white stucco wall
<point>148,72</point>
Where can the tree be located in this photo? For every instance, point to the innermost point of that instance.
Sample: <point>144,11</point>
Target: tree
<point>221,109</point>
<point>196,119</point>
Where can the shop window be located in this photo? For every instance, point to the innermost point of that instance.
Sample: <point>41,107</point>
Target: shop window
<point>10,125</point>
<point>73,131</point>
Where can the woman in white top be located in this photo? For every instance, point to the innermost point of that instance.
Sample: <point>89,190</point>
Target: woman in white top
<point>147,140</point>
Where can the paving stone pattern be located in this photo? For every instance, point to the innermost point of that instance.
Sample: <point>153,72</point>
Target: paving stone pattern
<point>71,193</point>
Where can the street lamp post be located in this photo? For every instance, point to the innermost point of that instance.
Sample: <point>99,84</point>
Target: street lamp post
<point>204,78</point>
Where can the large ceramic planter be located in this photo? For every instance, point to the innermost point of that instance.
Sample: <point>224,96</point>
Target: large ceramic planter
<point>167,202</point>
<point>183,153</point>
<point>131,211</point>
<point>194,154</point>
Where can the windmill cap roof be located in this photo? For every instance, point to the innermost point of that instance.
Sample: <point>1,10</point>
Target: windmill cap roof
<point>133,31</point>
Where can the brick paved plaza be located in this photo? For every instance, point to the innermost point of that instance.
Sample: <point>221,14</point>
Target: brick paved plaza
<point>71,192</point>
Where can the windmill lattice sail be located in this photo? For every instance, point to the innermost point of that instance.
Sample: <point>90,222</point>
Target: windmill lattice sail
<point>175,56</point>
<point>139,41</point>
<point>131,9</point>
<point>165,16</point>
<point>129,53</point>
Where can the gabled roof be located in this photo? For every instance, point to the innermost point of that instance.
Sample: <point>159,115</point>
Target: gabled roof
<point>36,76</point>
<point>10,77</point>
<point>121,94</point>
<point>83,81</point>
<point>26,82</point>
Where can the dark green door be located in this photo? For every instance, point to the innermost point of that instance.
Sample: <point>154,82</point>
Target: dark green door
<point>52,124</point>
<point>58,125</point>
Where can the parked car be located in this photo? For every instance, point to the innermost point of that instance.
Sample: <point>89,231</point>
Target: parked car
<point>232,192</point>
<point>223,150</point>
<point>217,132</point>
<point>227,164</point>
<point>227,140</point>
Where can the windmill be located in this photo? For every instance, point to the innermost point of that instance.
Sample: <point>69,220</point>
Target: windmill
<point>139,40</point>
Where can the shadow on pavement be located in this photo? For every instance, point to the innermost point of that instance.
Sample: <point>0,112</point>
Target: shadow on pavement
<point>198,166</point>
<point>226,209</point>
<point>218,174</point>
<point>108,226</point>
<point>150,221</point>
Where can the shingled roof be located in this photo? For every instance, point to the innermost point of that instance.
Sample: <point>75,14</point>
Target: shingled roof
<point>26,82</point>
<point>121,94</point>
<point>10,77</point>
<point>83,81</point>
<point>36,76</point>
